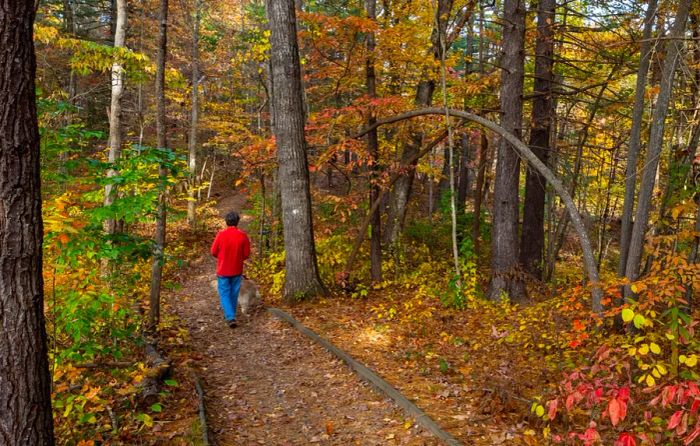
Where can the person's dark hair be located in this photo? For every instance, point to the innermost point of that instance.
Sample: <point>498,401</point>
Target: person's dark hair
<point>232,218</point>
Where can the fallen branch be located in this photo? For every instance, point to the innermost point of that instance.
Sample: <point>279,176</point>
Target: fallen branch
<point>371,377</point>
<point>202,410</point>
<point>106,364</point>
<point>533,162</point>
<point>159,367</point>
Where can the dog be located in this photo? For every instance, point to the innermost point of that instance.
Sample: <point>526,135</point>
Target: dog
<point>249,300</point>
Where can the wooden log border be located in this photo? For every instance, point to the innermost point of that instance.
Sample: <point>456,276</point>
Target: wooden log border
<point>371,377</point>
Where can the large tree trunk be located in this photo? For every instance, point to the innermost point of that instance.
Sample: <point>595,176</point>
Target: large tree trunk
<point>532,235</point>
<point>162,142</point>
<point>194,119</point>
<point>656,136</point>
<point>479,192</point>
<point>373,149</point>
<point>25,389</point>
<point>301,278</point>
<point>645,51</point>
<point>505,279</point>
<point>115,110</point>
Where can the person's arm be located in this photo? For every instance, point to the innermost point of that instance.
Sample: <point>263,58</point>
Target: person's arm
<point>215,246</point>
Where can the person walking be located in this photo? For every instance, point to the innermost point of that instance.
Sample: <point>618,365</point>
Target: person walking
<point>231,248</point>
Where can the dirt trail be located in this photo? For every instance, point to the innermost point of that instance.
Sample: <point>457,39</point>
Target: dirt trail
<point>268,385</point>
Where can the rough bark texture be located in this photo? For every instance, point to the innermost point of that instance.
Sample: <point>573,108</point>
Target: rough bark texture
<point>194,119</point>
<point>301,278</point>
<point>505,279</point>
<point>115,110</point>
<point>25,399</point>
<point>645,51</point>
<point>373,149</point>
<point>656,136</point>
<point>478,191</point>
<point>532,235</point>
<point>162,142</point>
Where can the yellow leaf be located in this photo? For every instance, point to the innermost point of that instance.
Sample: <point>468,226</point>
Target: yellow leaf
<point>634,288</point>
<point>539,410</point>
<point>650,381</point>
<point>661,369</point>
<point>656,373</point>
<point>627,315</point>
<point>682,359</point>
<point>691,361</point>
<point>632,351</point>
<point>655,349</point>
<point>643,349</point>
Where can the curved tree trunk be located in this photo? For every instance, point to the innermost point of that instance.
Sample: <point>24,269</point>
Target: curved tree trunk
<point>505,277</point>
<point>115,110</point>
<point>301,278</point>
<point>656,136</point>
<point>25,396</point>
<point>524,151</point>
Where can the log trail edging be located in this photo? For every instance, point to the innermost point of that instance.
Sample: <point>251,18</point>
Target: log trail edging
<point>371,377</point>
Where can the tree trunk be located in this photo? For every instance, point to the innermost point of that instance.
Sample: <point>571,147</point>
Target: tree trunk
<point>479,192</point>
<point>115,110</point>
<point>373,149</point>
<point>301,279</point>
<point>505,279</point>
<point>656,135</point>
<point>162,142</point>
<point>25,387</point>
<point>532,236</point>
<point>463,178</point>
<point>645,51</point>
<point>194,119</point>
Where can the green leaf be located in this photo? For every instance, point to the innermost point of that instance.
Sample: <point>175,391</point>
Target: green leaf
<point>157,408</point>
<point>639,320</point>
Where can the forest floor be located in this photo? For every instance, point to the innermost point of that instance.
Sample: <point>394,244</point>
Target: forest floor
<point>267,384</point>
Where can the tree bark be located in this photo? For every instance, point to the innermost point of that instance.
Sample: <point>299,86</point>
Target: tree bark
<point>115,110</point>
<point>194,119</point>
<point>373,149</point>
<point>162,142</point>
<point>505,278</point>
<point>479,192</point>
<point>532,235</point>
<point>25,387</point>
<point>645,51</point>
<point>656,135</point>
<point>301,279</point>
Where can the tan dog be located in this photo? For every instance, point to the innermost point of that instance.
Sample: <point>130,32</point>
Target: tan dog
<point>249,299</point>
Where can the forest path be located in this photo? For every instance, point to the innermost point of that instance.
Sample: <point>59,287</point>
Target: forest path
<point>267,384</point>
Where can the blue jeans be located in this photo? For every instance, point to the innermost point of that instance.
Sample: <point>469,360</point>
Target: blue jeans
<point>228,293</point>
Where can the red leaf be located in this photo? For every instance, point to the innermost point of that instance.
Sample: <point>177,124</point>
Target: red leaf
<point>675,419</point>
<point>617,410</point>
<point>552,409</point>
<point>683,427</point>
<point>695,406</point>
<point>693,435</point>
<point>624,394</point>
<point>625,439</point>
<point>570,402</point>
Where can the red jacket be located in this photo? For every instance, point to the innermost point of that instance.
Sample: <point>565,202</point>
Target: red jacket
<point>231,247</point>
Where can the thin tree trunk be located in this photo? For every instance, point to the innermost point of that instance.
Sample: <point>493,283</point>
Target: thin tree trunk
<point>479,192</point>
<point>194,118</point>
<point>25,386</point>
<point>505,279</point>
<point>656,135</point>
<point>162,142</point>
<point>301,279</point>
<point>115,111</point>
<point>532,235</point>
<point>463,177</point>
<point>645,51</point>
<point>373,149</point>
